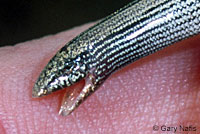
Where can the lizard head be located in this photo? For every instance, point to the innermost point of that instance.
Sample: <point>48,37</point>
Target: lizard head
<point>64,69</point>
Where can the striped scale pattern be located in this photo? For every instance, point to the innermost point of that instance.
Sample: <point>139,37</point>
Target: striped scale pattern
<point>139,30</point>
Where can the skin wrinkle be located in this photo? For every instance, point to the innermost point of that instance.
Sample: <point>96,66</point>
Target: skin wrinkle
<point>123,84</point>
<point>76,123</point>
<point>105,109</point>
<point>153,106</point>
<point>99,120</point>
<point>2,129</point>
<point>102,107</point>
<point>2,118</point>
<point>17,123</point>
<point>89,116</point>
<point>49,129</point>
<point>121,87</point>
<point>189,108</point>
<point>144,67</point>
<point>29,124</point>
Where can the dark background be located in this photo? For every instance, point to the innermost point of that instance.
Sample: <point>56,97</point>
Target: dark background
<point>22,20</point>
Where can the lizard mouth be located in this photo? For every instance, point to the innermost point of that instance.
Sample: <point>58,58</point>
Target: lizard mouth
<point>74,97</point>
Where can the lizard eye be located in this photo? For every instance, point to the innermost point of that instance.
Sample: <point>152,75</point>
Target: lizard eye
<point>68,66</point>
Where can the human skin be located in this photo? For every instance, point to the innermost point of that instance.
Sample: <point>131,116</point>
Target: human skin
<point>160,89</point>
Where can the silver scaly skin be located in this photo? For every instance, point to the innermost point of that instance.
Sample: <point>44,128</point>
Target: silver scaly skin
<point>137,30</point>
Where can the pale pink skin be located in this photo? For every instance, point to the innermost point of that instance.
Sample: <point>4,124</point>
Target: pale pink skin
<point>161,89</point>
